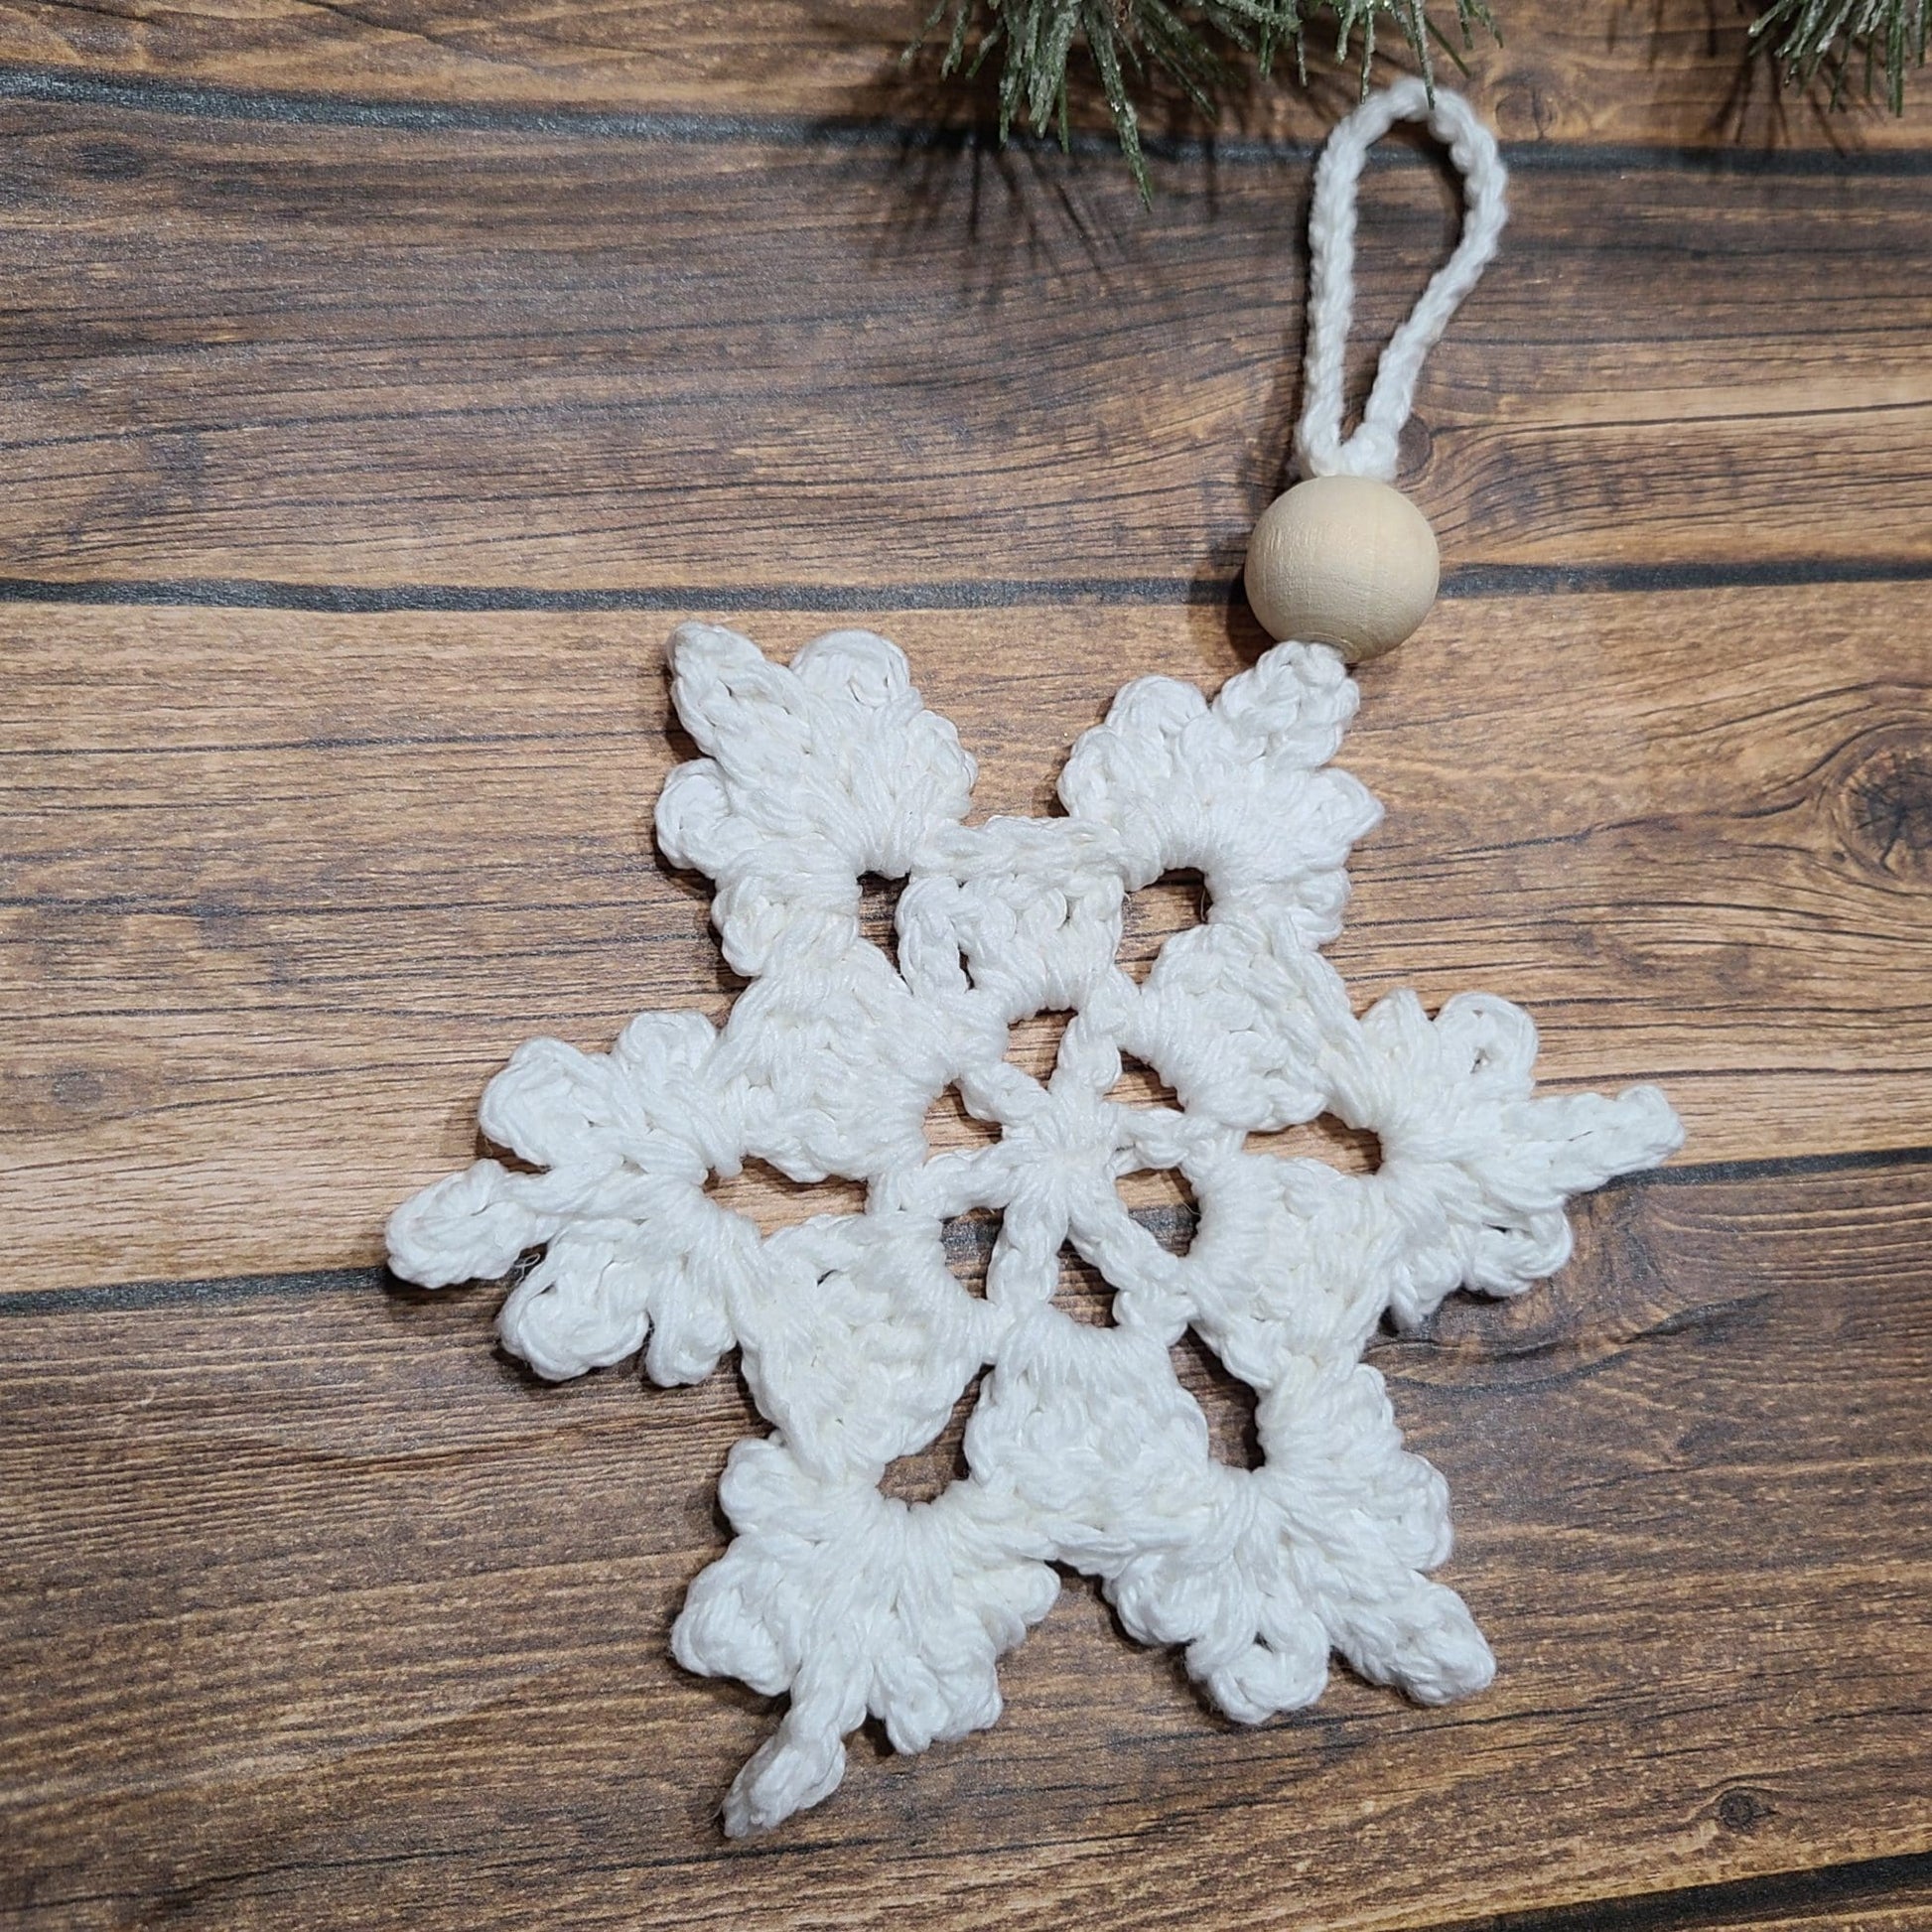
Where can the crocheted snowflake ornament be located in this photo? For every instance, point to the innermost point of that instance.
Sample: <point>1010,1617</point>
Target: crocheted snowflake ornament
<point>856,1340</point>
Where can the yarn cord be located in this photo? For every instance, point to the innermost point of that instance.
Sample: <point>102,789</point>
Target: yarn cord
<point>1319,447</point>
<point>855,1338</point>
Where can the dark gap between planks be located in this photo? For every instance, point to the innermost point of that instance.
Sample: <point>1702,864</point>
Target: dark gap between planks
<point>129,1297</point>
<point>208,102</point>
<point>1471,581</point>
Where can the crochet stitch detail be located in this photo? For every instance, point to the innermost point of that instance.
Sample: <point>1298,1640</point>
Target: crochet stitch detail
<point>855,1338</point>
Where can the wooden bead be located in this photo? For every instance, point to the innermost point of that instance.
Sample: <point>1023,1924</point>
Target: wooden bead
<point>1343,561</point>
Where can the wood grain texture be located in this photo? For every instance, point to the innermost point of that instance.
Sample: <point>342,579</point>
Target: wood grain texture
<point>389,357</point>
<point>1673,71</point>
<point>320,1613</point>
<point>1867,1895</point>
<point>286,889</point>
<point>379,383</point>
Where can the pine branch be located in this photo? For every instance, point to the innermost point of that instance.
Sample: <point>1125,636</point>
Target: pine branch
<point>1807,37</point>
<point>1188,40</point>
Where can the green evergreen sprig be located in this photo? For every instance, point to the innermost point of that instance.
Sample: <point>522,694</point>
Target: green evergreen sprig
<point>1807,37</point>
<point>1188,43</point>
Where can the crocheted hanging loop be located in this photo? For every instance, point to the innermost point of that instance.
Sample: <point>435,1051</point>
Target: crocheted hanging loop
<point>1371,449</point>
<point>856,1340</point>
<point>1343,558</point>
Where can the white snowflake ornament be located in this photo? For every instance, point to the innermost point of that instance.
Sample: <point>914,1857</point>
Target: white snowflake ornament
<point>857,1341</point>
<point>1084,1448</point>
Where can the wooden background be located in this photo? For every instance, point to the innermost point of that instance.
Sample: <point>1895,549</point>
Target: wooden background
<point>378,385</point>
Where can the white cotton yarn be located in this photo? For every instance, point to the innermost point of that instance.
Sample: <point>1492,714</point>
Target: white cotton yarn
<point>856,1340</point>
<point>1343,558</point>
<point>1084,1447</point>
<point>1372,450</point>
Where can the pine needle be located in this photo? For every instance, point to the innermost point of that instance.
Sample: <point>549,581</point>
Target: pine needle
<point>1186,41</point>
<point>1189,43</point>
<point>1810,36</point>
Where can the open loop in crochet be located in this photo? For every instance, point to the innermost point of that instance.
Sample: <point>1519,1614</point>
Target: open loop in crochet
<point>1371,450</point>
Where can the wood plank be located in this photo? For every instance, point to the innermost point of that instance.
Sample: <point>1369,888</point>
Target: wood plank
<point>378,356</point>
<point>1677,71</point>
<point>1871,1896</point>
<point>318,1614</point>
<point>285,890</point>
